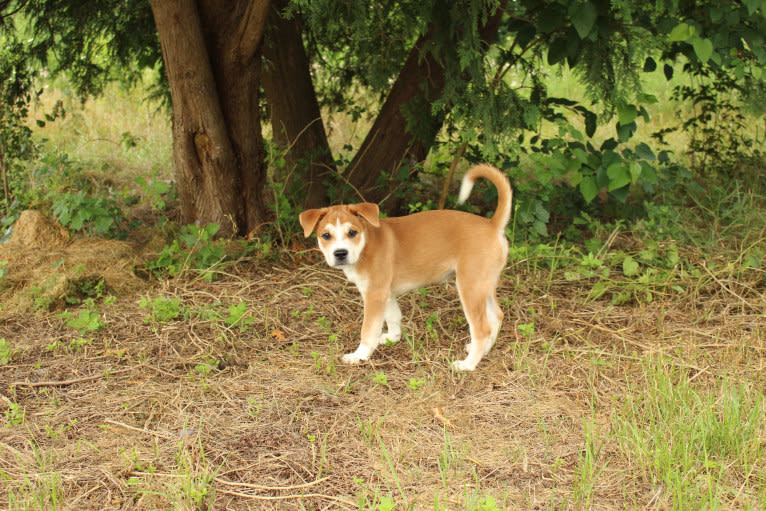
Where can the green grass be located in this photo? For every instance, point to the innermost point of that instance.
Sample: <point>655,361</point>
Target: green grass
<point>699,447</point>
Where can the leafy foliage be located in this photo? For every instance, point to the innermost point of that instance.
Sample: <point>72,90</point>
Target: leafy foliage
<point>565,154</point>
<point>194,249</point>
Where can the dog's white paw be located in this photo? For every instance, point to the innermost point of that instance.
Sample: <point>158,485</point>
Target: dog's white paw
<point>361,354</point>
<point>463,365</point>
<point>388,339</point>
<point>351,359</point>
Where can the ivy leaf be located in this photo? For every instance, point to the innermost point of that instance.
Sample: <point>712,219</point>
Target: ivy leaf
<point>583,17</point>
<point>703,48</point>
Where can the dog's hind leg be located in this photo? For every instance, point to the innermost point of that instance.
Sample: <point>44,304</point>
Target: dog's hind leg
<point>495,318</point>
<point>473,296</point>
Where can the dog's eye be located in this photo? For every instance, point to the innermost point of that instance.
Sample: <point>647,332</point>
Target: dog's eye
<point>352,233</point>
<point>326,236</point>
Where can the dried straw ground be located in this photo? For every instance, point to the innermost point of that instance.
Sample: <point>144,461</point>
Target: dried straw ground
<point>141,417</point>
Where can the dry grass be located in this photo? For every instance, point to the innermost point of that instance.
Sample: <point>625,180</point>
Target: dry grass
<point>140,416</point>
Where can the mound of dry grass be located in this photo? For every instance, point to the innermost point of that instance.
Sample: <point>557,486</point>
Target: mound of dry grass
<point>45,268</point>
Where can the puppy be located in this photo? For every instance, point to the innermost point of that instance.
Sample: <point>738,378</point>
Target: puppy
<point>386,257</point>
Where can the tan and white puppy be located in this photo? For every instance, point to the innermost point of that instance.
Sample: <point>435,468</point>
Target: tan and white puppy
<point>386,257</point>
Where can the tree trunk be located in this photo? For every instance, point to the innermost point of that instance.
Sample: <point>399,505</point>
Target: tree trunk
<point>214,79</point>
<point>389,144</point>
<point>294,110</point>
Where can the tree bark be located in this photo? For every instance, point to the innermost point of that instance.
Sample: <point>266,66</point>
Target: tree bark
<point>210,52</point>
<point>296,121</point>
<point>389,144</point>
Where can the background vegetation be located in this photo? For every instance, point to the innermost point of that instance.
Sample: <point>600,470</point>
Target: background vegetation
<point>148,363</point>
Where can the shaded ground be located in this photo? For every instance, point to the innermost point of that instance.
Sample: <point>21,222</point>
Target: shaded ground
<point>187,412</point>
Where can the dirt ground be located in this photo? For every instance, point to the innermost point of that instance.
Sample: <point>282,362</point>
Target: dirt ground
<point>192,413</point>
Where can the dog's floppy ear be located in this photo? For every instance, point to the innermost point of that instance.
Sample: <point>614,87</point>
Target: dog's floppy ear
<point>309,219</point>
<point>368,211</point>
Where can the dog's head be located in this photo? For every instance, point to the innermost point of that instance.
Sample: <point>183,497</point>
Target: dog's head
<point>341,230</point>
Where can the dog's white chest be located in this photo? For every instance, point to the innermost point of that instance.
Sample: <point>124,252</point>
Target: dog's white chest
<point>361,282</point>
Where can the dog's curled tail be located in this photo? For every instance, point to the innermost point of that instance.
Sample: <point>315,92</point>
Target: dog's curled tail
<point>504,193</point>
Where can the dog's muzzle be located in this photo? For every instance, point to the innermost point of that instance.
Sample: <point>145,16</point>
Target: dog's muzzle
<point>341,256</point>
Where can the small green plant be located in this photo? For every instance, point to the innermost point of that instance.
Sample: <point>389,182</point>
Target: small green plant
<point>195,249</point>
<point>238,316</point>
<point>431,322</point>
<point>14,415</point>
<point>75,345</point>
<point>527,329</point>
<point>91,215</point>
<point>6,351</point>
<point>87,321</point>
<point>380,378</point>
<point>156,191</point>
<point>415,384</point>
<point>162,309</point>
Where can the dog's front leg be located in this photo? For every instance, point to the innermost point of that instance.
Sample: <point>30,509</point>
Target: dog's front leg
<point>393,318</point>
<point>374,307</point>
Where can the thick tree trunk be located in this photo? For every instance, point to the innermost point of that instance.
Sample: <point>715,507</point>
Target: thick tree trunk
<point>294,110</point>
<point>214,78</point>
<point>389,144</point>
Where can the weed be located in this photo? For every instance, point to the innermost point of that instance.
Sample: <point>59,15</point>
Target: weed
<point>237,317</point>
<point>415,384</point>
<point>431,322</point>
<point>527,329</point>
<point>91,215</point>
<point>156,191</point>
<point>195,249</point>
<point>380,378</point>
<point>75,345</point>
<point>86,321</point>
<point>14,415</point>
<point>6,352</point>
<point>162,309</point>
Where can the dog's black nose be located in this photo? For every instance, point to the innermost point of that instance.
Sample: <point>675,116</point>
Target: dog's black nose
<point>340,254</point>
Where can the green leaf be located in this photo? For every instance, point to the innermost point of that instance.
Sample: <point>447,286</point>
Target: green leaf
<point>557,51</point>
<point>629,266</point>
<point>752,6</point>
<point>703,48</point>
<point>619,176</point>
<point>550,19</point>
<point>626,113</point>
<point>590,124</point>
<point>681,32</point>
<point>645,152</point>
<point>667,69</point>
<point>588,188</point>
<point>583,17</point>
